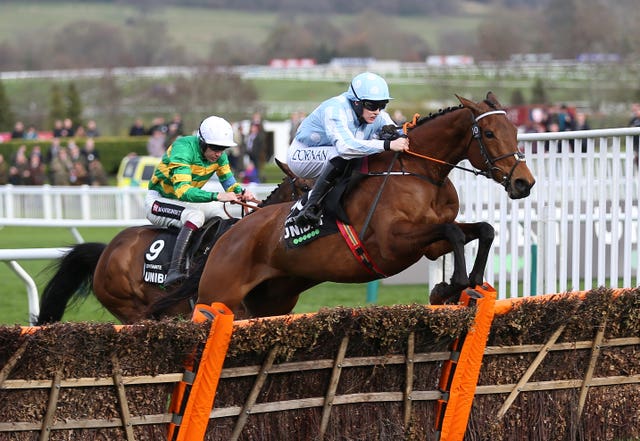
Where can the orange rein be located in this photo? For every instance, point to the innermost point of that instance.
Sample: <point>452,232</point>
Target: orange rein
<point>410,125</point>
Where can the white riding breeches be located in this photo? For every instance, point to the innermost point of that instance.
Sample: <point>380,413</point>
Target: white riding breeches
<point>307,162</point>
<point>174,213</point>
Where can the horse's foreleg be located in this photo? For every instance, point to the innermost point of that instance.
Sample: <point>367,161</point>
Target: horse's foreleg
<point>482,231</point>
<point>485,233</point>
<point>455,240</point>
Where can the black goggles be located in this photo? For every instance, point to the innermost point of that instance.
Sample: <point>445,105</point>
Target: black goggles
<point>374,105</point>
<point>217,148</point>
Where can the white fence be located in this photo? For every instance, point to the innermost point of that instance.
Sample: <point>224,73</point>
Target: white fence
<point>578,229</point>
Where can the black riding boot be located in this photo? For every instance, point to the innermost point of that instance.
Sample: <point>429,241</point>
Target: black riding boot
<point>311,211</point>
<point>177,260</point>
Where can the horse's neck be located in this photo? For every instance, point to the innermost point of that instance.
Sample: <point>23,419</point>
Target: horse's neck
<point>446,138</point>
<point>282,193</point>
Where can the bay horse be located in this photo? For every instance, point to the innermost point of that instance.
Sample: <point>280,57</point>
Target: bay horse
<point>413,214</point>
<point>114,271</point>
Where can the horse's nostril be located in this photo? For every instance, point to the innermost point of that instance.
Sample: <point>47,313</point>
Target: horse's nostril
<point>523,186</point>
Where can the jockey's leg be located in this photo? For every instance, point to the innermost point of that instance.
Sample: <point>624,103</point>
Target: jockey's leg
<point>311,211</point>
<point>176,270</point>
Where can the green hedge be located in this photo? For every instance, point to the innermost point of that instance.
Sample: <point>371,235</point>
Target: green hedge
<point>111,149</point>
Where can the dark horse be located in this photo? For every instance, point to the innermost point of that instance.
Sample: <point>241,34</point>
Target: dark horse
<point>114,270</point>
<point>253,272</point>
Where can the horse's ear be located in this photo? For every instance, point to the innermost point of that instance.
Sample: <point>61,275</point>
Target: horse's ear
<point>493,99</point>
<point>285,168</point>
<point>468,104</point>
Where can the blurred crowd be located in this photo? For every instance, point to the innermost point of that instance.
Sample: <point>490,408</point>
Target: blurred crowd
<point>62,164</point>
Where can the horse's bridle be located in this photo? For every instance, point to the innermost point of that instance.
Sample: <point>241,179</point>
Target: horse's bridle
<point>476,134</point>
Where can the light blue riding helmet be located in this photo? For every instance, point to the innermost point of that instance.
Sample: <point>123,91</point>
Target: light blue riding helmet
<point>368,86</point>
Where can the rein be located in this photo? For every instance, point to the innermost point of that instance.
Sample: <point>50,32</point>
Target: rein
<point>476,134</point>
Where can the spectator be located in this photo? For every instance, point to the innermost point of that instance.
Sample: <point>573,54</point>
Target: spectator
<point>54,148</point>
<point>177,120</point>
<point>564,119</point>
<point>155,144</point>
<point>89,152</point>
<point>79,175</point>
<point>31,133</point>
<point>67,128</point>
<point>58,129</point>
<point>36,170</point>
<point>18,130</point>
<point>137,129</point>
<point>172,134</point>
<point>4,171</point>
<point>249,174</point>
<point>581,123</point>
<point>92,129</point>
<point>19,170</point>
<point>96,174</point>
<point>256,147</point>
<point>80,132</point>
<point>158,124</point>
<point>635,122</point>
<point>553,127</point>
<point>60,168</point>
<point>91,161</point>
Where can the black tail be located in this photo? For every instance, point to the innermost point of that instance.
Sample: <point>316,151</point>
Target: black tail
<point>72,280</point>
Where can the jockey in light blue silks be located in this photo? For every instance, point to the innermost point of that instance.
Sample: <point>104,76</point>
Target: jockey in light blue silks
<point>341,128</point>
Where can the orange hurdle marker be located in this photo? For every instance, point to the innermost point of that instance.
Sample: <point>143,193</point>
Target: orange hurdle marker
<point>460,373</point>
<point>192,398</point>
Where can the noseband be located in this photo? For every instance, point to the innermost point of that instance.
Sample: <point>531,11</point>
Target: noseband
<point>476,134</point>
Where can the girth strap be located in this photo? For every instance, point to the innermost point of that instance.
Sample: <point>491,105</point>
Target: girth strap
<point>358,250</point>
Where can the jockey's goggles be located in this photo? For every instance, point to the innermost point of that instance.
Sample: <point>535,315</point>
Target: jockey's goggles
<point>217,148</point>
<point>374,105</point>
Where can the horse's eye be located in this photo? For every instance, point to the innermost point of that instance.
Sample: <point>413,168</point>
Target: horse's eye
<point>489,134</point>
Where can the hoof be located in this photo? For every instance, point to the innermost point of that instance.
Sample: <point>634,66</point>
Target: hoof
<point>444,294</point>
<point>439,294</point>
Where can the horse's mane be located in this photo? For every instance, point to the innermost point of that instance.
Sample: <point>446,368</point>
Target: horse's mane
<point>433,115</point>
<point>267,200</point>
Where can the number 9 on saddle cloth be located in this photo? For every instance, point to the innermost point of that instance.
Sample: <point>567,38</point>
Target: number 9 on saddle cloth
<point>157,257</point>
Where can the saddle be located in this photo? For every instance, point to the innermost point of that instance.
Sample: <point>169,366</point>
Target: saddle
<point>157,257</point>
<point>332,208</point>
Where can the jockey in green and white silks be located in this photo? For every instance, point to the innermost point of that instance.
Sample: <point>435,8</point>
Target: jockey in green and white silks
<point>175,196</point>
<point>341,128</point>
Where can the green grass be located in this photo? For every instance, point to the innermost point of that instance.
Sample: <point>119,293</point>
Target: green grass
<point>196,29</point>
<point>13,298</point>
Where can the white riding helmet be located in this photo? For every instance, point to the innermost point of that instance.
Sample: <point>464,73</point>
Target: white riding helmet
<point>216,131</point>
<point>368,86</point>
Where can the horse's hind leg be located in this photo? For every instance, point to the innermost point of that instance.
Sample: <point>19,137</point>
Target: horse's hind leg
<point>275,296</point>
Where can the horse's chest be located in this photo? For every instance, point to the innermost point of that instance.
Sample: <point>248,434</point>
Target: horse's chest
<point>441,214</point>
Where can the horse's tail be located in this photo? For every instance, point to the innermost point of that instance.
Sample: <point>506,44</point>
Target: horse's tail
<point>72,280</point>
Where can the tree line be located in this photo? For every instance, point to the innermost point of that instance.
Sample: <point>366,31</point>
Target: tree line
<point>564,28</point>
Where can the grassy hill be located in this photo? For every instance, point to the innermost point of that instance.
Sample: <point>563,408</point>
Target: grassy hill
<point>195,29</point>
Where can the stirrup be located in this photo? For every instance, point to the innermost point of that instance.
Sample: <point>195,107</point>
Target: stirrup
<point>309,216</point>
